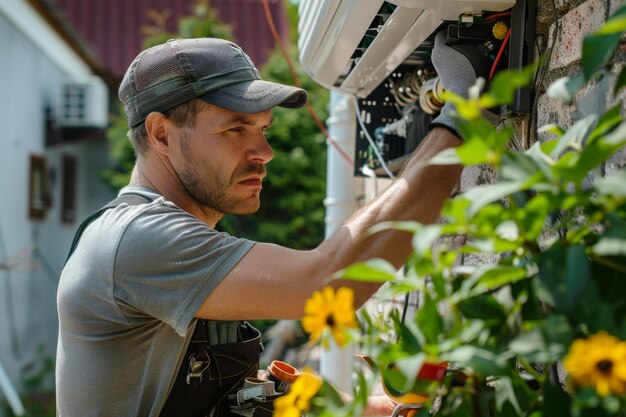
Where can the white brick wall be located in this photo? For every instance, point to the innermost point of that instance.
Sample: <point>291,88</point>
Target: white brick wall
<point>574,23</point>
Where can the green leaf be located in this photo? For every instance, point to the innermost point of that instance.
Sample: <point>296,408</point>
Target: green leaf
<point>616,137</point>
<point>564,88</point>
<point>399,377</point>
<point>424,238</point>
<point>407,226</point>
<point>373,270</point>
<point>429,321</point>
<point>505,84</point>
<point>543,161</point>
<point>620,82</point>
<point>614,185</point>
<point>574,136</point>
<point>599,46</point>
<point>448,156</point>
<point>565,271</point>
<point>557,402</point>
<point>506,395</point>
<point>610,246</point>
<point>615,25</point>
<point>407,339</point>
<point>483,361</point>
<point>483,195</point>
<point>609,120</point>
<point>523,167</point>
<point>551,128</point>
<point>558,332</point>
<point>532,218</point>
<point>533,346</point>
<point>495,276</point>
<point>576,168</point>
<point>474,152</point>
<point>484,307</point>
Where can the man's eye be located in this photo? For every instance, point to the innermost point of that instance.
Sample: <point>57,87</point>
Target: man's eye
<point>237,129</point>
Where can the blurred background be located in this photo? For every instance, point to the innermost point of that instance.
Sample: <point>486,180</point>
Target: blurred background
<point>65,152</point>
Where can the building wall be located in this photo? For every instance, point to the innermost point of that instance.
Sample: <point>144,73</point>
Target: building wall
<point>575,20</point>
<point>34,249</point>
<point>567,28</point>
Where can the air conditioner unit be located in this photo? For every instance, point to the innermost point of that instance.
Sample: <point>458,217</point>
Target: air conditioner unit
<point>353,45</point>
<point>84,103</point>
<point>380,52</point>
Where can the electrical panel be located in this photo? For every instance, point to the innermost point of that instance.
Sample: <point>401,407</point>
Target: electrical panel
<point>379,51</point>
<point>84,104</point>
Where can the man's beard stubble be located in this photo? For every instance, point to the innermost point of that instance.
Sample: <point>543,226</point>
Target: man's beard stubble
<point>214,192</point>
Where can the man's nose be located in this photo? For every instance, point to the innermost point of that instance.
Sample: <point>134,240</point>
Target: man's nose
<point>261,150</point>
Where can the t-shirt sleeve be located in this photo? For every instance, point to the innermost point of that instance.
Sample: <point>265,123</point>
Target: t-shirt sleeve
<point>167,263</point>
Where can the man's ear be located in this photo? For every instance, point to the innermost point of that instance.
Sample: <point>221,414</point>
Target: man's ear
<point>157,130</point>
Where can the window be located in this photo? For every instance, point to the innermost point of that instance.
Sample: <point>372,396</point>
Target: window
<point>68,189</point>
<point>37,188</point>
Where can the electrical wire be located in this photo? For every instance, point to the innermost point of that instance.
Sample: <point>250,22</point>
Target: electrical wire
<point>500,52</point>
<point>372,143</point>
<point>495,16</point>
<point>543,70</point>
<point>294,74</point>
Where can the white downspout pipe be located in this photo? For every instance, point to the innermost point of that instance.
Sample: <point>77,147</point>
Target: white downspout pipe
<point>10,393</point>
<point>342,192</point>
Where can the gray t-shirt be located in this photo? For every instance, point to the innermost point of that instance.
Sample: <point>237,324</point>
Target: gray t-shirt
<point>126,303</point>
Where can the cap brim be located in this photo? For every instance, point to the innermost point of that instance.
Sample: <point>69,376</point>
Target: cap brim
<point>256,96</point>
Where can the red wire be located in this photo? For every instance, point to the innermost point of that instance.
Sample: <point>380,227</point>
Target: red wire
<point>500,52</point>
<point>495,16</point>
<point>309,107</point>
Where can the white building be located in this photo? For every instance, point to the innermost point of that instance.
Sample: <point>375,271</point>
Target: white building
<point>49,177</point>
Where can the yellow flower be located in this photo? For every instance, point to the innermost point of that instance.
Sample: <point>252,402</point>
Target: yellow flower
<point>329,310</point>
<point>298,399</point>
<point>598,362</point>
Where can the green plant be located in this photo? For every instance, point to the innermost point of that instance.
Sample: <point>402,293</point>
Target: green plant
<point>555,294</point>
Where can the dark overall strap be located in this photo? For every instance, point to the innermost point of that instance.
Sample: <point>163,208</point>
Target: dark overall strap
<point>222,370</point>
<point>132,199</point>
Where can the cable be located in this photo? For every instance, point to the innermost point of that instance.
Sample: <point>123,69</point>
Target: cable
<point>309,107</point>
<point>372,143</point>
<point>544,69</point>
<point>495,16</point>
<point>500,52</point>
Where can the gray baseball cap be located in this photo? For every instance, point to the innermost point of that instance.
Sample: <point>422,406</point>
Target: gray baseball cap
<point>214,70</point>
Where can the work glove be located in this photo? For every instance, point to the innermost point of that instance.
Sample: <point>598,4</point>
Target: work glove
<point>458,67</point>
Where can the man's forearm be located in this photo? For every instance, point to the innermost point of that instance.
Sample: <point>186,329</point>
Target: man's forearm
<point>417,195</point>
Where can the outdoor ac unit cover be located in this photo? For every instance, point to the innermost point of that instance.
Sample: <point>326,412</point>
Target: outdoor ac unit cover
<point>84,103</point>
<point>353,45</point>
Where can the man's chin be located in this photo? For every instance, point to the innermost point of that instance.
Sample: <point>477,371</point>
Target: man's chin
<point>243,209</point>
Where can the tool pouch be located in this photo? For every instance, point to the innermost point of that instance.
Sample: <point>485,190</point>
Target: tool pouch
<point>209,373</point>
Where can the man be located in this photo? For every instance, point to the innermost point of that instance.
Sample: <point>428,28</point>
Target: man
<point>144,271</point>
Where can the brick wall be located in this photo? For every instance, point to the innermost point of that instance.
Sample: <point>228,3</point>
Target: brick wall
<point>561,27</point>
<point>565,28</point>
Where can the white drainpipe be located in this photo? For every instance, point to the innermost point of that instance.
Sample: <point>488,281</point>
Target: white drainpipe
<point>10,393</point>
<point>342,192</point>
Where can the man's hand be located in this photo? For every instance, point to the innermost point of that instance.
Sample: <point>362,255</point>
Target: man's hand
<point>378,405</point>
<point>458,67</point>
